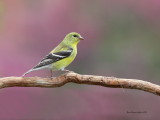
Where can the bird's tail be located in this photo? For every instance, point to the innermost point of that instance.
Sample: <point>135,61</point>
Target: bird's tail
<point>27,72</point>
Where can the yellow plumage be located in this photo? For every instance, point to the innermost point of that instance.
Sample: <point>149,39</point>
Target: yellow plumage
<point>62,55</point>
<point>61,64</point>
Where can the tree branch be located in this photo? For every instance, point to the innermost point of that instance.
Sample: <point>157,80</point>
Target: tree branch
<point>80,79</point>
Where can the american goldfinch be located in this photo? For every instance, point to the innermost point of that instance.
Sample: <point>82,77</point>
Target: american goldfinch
<point>60,57</point>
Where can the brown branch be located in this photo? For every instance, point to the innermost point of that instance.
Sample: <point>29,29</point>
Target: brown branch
<point>80,79</point>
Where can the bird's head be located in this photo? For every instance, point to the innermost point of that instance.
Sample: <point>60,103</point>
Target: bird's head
<point>73,38</point>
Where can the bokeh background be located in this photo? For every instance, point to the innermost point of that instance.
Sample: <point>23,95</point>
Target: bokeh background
<point>122,39</point>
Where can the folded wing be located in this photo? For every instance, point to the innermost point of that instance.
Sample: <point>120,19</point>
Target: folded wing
<point>54,57</point>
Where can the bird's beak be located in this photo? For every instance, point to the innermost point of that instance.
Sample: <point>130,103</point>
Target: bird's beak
<point>81,38</point>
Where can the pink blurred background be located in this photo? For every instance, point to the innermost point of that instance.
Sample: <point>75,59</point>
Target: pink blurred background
<point>121,39</point>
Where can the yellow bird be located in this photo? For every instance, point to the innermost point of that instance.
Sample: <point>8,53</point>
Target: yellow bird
<point>60,57</point>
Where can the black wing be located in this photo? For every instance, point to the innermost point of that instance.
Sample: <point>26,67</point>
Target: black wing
<point>53,57</point>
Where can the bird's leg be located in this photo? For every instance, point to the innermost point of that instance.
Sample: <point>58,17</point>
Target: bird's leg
<point>51,74</point>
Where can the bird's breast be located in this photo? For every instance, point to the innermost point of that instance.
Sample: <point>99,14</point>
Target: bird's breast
<point>64,62</point>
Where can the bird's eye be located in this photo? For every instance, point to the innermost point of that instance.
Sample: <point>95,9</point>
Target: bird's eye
<point>75,35</point>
